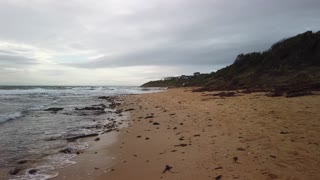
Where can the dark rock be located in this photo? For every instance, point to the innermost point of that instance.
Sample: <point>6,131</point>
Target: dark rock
<point>293,89</point>
<point>297,94</point>
<point>94,126</point>
<point>98,109</point>
<point>148,117</point>
<point>83,114</point>
<point>81,136</point>
<point>181,145</point>
<point>156,123</point>
<point>235,159</point>
<point>131,109</point>
<point>203,89</point>
<point>99,105</point>
<point>97,139</point>
<point>32,171</point>
<point>106,97</point>
<point>22,161</point>
<point>218,177</point>
<point>283,132</point>
<point>249,91</point>
<point>225,94</point>
<point>53,138</point>
<point>118,111</point>
<point>55,110</point>
<point>67,150</point>
<point>109,130</point>
<point>92,108</point>
<point>14,171</point>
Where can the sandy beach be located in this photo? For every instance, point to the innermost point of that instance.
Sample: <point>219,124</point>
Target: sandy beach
<point>199,136</point>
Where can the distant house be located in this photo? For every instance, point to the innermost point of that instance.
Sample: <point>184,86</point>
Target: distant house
<point>196,74</point>
<point>177,78</point>
<point>184,77</point>
<point>168,78</point>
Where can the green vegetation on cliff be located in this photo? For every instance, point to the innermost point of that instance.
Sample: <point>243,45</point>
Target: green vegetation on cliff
<point>292,61</point>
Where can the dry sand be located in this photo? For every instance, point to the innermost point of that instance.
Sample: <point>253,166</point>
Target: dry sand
<point>250,136</point>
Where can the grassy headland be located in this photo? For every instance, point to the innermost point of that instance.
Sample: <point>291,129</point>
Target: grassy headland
<point>292,63</point>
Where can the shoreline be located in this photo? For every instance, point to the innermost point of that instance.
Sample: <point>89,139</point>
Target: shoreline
<point>93,121</point>
<point>249,136</point>
<point>99,154</point>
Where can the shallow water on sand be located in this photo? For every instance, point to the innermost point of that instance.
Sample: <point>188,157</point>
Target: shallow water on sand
<point>31,136</point>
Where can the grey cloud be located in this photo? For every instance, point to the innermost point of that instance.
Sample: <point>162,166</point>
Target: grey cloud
<point>14,51</point>
<point>161,57</point>
<point>7,52</point>
<point>196,54</point>
<point>186,34</point>
<point>177,33</point>
<point>15,60</point>
<point>52,72</point>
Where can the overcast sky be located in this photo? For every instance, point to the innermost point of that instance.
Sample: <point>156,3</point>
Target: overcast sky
<point>129,42</point>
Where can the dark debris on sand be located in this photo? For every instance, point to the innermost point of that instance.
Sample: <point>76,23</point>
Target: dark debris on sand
<point>167,168</point>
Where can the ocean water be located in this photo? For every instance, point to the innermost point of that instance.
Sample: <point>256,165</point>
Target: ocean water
<point>31,137</point>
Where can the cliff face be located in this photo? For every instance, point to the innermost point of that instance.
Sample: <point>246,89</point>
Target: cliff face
<point>294,60</point>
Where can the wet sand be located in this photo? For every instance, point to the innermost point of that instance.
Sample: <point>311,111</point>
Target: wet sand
<point>249,136</point>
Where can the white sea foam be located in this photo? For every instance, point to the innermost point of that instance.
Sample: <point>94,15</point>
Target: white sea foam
<point>9,116</point>
<point>78,145</point>
<point>61,160</point>
<point>79,90</point>
<point>46,170</point>
<point>43,173</point>
<point>35,176</point>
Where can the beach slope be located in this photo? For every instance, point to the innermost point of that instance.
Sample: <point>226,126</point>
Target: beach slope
<point>179,134</point>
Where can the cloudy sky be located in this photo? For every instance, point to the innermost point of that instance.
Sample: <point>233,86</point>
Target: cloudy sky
<point>129,42</point>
